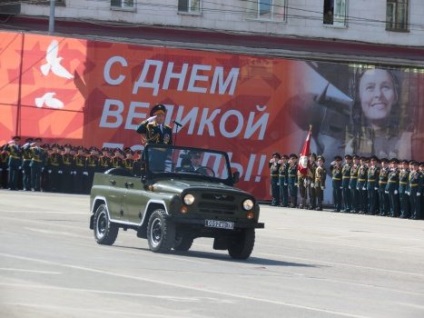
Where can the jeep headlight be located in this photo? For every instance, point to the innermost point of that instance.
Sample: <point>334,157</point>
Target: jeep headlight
<point>188,199</point>
<point>248,204</point>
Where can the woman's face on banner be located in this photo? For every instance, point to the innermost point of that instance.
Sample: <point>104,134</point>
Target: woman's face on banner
<point>377,94</point>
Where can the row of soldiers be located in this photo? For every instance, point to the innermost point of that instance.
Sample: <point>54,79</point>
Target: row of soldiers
<point>359,184</point>
<point>59,168</point>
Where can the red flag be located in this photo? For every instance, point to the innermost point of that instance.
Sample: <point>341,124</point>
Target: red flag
<point>302,166</point>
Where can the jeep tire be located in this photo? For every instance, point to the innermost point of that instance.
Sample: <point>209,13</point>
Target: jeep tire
<point>160,232</point>
<point>182,242</point>
<point>240,245</point>
<point>105,232</point>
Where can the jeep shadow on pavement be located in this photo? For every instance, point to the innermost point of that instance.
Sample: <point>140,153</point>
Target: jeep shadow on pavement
<point>184,193</point>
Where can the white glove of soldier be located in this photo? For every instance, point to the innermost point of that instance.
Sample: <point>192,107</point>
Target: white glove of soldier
<point>341,187</point>
<point>85,173</point>
<point>407,192</point>
<point>150,119</point>
<point>285,184</point>
<point>60,172</point>
<point>350,187</point>
<point>396,192</point>
<point>364,188</point>
<point>418,194</point>
<point>375,188</point>
<point>322,188</point>
<point>386,191</point>
<point>312,184</point>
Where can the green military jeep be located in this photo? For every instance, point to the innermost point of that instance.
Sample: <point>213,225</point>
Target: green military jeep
<point>183,193</point>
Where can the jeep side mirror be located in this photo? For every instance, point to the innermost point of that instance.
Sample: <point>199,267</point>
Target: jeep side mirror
<point>236,176</point>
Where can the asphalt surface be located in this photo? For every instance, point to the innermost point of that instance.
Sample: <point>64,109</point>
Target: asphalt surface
<point>305,264</point>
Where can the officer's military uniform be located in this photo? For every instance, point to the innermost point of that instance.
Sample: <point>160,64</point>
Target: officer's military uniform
<point>415,189</point>
<point>274,166</point>
<point>353,181</point>
<point>361,186</point>
<point>372,186</point>
<point>104,160</point>
<point>383,198</point>
<point>320,174</point>
<point>392,188</point>
<point>54,169</point>
<point>68,169</point>
<point>92,164</point>
<point>347,200</point>
<point>283,181</point>
<point>311,186</point>
<point>403,189</point>
<point>14,162</point>
<point>4,158</point>
<point>292,181</point>
<point>155,133</point>
<point>38,157</point>
<point>336,176</point>
<point>81,177</point>
<point>129,163</point>
<point>26,160</point>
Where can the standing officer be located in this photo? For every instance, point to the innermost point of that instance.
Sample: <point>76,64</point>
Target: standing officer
<point>347,166</point>
<point>92,163</point>
<point>403,189</point>
<point>129,161</point>
<point>153,129</point>
<point>292,180</point>
<point>415,185</point>
<point>37,164</point>
<point>54,166</point>
<point>320,175</point>
<point>353,181</point>
<point>105,162</point>
<point>311,187</point>
<point>383,199</point>
<point>392,188</point>
<point>68,169</point>
<point>273,171</point>
<point>372,185</point>
<point>26,160</point>
<point>14,162</point>
<point>337,174</point>
<point>4,158</point>
<point>361,185</point>
<point>283,180</point>
<point>81,177</point>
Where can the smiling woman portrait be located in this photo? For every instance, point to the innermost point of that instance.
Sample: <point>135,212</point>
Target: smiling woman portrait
<point>379,119</point>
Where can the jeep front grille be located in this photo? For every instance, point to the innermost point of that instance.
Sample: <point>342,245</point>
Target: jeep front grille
<point>217,203</point>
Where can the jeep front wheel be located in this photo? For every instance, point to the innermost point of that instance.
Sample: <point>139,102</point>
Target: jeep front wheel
<point>183,242</point>
<point>105,232</point>
<point>160,232</point>
<point>240,245</point>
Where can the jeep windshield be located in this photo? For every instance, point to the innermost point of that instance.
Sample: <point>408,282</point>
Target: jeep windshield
<point>187,162</point>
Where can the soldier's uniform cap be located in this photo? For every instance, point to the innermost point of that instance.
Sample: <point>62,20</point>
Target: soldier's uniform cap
<point>363,158</point>
<point>67,146</point>
<point>93,149</point>
<point>16,138</point>
<point>38,139</point>
<point>414,163</point>
<point>348,157</point>
<point>321,158</point>
<point>422,164</point>
<point>338,158</point>
<point>157,109</point>
<point>293,156</point>
<point>384,160</point>
<point>285,157</point>
<point>374,158</point>
<point>276,154</point>
<point>29,139</point>
<point>404,161</point>
<point>356,157</point>
<point>394,160</point>
<point>314,155</point>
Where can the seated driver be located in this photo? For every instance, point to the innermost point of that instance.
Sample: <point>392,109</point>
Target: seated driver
<point>195,160</point>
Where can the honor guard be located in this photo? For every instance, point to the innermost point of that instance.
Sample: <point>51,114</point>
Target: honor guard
<point>117,159</point>
<point>292,180</point>
<point>92,163</point>
<point>337,175</point>
<point>274,166</point>
<point>311,186</point>
<point>283,180</point>
<point>26,160</point>
<point>361,185</point>
<point>129,162</point>
<point>105,162</point>
<point>392,188</point>
<point>347,201</point>
<point>54,168</point>
<point>372,185</point>
<point>153,129</point>
<point>4,158</point>
<point>68,169</point>
<point>81,177</point>
<point>14,162</point>
<point>37,163</point>
<point>403,189</point>
<point>383,198</point>
<point>320,175</point>
<point>415,185</point>
<point>353,182</point>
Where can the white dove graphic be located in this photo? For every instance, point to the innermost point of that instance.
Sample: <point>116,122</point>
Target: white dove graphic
<point>53,62</point>
<point>49,100</point>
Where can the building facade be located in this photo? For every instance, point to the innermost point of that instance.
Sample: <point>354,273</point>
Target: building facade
<point>392,22</point>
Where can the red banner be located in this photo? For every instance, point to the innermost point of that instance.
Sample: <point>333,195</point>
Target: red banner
<point>93,93</point>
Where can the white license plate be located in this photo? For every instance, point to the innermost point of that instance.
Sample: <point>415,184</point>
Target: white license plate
<point>220,224</point>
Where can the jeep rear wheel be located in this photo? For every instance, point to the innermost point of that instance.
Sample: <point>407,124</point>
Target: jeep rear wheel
<point>105,232</point>
<point>160,232</point>
<point>240,245</point>
<point>183,242</point>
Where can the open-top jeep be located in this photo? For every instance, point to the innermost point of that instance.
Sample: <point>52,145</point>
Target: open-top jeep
<point>183,193</point>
